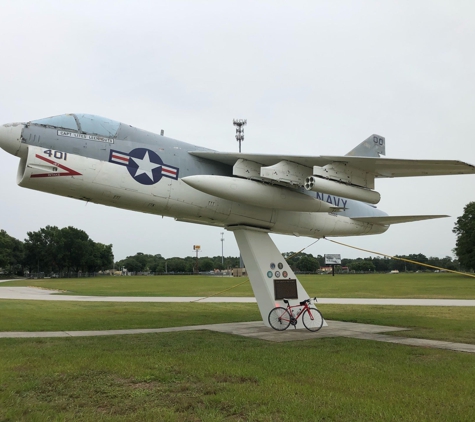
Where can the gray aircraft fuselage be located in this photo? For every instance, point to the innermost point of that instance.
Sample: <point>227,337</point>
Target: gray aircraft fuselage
<point>98,160</point>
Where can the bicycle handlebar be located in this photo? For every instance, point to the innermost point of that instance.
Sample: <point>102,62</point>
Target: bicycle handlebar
<point>303,301</point>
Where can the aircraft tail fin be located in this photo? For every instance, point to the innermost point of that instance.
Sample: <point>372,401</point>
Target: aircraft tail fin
<point>374,146</point>
<point>390,219</point>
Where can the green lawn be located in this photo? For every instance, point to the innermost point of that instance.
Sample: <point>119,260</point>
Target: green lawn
<point>455,324</point>
<point>410,285</point>
<point>208,376</point>
<point>32,315</point>
<point>142,285</point>
<point>440,323</point>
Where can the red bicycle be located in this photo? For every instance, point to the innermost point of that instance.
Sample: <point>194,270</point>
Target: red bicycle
<point>280,318</point>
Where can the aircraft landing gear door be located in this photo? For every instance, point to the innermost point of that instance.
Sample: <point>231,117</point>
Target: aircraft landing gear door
<point>270,275</point>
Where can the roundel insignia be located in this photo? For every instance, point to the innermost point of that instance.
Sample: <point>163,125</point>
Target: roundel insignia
<point>144,165</point>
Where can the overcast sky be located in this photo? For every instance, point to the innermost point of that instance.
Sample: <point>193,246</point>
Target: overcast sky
<point>311,77</point>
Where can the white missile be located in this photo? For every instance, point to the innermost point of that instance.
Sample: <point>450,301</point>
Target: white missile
<point>318,184</point>
<point>256,193</point>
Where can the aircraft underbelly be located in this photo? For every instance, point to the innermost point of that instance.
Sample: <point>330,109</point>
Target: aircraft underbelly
<point>114,185</point>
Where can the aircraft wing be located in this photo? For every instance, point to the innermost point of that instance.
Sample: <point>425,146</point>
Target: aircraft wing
<point>378,167</point>
<point>389,219</point>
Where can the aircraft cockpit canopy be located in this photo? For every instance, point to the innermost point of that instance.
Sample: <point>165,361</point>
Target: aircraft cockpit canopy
<point>82,123</point>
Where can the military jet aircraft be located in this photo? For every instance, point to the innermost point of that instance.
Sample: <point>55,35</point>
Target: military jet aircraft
<point>96,159</point>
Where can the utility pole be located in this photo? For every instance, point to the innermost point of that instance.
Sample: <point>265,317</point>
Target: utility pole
<point>239,123</point>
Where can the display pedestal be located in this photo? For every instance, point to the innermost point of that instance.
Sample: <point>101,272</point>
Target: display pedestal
<point>271,277</point>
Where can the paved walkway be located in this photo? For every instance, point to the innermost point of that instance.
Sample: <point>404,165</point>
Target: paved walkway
<point>258,330</point>
<point>34,293</point>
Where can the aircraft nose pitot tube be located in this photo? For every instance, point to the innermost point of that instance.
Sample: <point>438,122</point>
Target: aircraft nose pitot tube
<point>10,138</point>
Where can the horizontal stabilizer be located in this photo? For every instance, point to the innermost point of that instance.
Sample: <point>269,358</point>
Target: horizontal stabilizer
<point>390,219</point>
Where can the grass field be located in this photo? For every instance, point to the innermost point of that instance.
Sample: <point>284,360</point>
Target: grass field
<point>208,376</point>
<point>438,323</point>
<point>403,285</point>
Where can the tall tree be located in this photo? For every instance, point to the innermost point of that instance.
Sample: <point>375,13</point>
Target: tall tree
<point>68,249</point>
<point>100,258</point>
<point>43,250</point>
<point>465,230</point>
<point>11,253</point>
<point>362,265</point>
<point>308,263</point>
<point>77,248</point>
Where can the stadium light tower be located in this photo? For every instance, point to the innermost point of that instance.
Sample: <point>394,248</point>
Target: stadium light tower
<point>239,123</point>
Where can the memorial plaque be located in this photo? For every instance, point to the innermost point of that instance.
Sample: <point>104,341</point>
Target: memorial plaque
<point>285,289</point>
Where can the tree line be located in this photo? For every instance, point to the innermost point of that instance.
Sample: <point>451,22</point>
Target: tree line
<point>300,263</point>
<point>308,263</point>
<point>157,264</point>
<point>52,250</point>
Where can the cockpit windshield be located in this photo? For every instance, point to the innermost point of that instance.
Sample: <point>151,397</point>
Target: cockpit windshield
<point>84,123</point>
<point>97,125</point>
<point>65,121</point>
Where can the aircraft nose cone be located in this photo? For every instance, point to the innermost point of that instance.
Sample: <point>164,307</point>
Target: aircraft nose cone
<point>10,138</point>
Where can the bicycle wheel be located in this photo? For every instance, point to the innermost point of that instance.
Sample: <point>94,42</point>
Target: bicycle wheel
<point>312,319</point>
<point>279,319</point>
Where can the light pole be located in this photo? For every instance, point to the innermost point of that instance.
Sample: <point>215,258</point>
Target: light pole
<point>197,249</point>
<point>239,123</point>
<point>222,249</point>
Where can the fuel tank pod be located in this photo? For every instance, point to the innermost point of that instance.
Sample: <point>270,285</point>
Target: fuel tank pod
<point>257,193</point>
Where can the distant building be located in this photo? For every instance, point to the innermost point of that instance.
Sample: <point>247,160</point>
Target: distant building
<point>239,272</point>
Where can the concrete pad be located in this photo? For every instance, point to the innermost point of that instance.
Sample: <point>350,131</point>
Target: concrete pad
<point>366,328</point>
<point>257,330</point>
<point>418,342</point>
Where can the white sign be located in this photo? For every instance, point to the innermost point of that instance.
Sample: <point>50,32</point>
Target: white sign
<point>332,259</point>
<point>85,137</point>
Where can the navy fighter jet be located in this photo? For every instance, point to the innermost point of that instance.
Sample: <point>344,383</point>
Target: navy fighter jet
<point>100,160</point>
<point>103,161</point>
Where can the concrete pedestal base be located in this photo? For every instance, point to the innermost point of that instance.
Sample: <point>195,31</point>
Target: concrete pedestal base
<point>271,277</point>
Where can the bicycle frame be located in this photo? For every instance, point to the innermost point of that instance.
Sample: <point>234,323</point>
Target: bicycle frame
<point>304,308</point>
<point>281,317</point>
